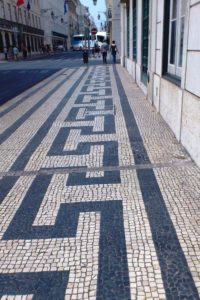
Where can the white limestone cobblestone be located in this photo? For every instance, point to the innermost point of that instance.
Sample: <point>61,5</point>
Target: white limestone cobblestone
<point>180,188</point>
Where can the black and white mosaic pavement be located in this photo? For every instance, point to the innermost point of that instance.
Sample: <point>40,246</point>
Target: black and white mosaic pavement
<point>97,199</point>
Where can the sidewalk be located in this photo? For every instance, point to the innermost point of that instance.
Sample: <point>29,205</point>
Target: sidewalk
<point>29,57</point>
<point>98,199</point>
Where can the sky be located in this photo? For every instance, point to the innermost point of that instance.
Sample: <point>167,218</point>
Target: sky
<point>96,9</point>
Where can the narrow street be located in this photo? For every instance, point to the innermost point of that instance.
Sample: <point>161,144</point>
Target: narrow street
<point>98,200</point>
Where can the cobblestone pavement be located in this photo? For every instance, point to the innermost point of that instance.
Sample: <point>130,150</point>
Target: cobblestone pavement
<point>98,199</point>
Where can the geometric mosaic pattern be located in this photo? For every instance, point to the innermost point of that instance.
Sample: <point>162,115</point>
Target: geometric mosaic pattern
<point>95,202</point>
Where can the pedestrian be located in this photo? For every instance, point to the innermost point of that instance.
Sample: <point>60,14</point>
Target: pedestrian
<point>93,52</point>
<point>85,56</point>
<point>104,50</point>
<point>43,49</point>
<point>97,49</point>
<point>29,50</point>
<point>48,49</point>
<point>10,53</point>
<point>5,53</point>
<point>15,53</point>
<point>113,50</point>
<point>54,48</point>
<point>24,50</point>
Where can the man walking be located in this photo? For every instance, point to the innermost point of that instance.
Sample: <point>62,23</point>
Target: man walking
<point>104,50</point>
<point>5,53</point>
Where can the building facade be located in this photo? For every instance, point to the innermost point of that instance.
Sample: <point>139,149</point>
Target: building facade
<point>55,23</point>
<point>79,18</point>
<point>109,21</point>
<point>113,21</point>
<point>161,50</point>
<point>20,26</point>
<point>37,23</point>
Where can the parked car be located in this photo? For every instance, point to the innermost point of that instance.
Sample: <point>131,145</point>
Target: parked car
<point>60,48</point>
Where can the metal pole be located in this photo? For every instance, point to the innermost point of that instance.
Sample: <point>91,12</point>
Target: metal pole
<point>88,41</point>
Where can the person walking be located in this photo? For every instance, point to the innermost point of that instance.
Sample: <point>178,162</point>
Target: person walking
<point>10,53</point>
<point>24,50</point>
<point>85,56</point>
<point>97,49</point>
<point>5,53</point>
<point>114,50</point>
<point>29,50</point>
<point>104,50</point>
<point>15,53</point>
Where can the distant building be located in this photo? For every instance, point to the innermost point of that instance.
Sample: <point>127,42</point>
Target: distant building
<point>42,22</point>
<point>20,25</point>
<point>161,50</point>
<point>113,21</point>
<point>55,22</point>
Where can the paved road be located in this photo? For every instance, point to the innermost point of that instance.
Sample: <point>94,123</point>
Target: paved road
<point>16,77</point>
<point>97,198</point>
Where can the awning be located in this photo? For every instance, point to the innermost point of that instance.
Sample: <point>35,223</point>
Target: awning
<point>57,34</point>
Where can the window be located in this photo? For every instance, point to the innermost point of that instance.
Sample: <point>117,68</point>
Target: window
<point>15,13</point>
<point>33,19</point>
<point>25,17</point>
<point>145,40</point>
<point>1,43</point>
<point>2,10</point>
<point>36,22</point>
<point>39,22</point>
<point>29,19</point>
<point>176,36</point>
<point>9,12</point>
<point>134,30</point>
<point>20,15</point>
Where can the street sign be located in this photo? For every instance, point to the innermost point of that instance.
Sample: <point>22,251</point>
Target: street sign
<point>94,30</point>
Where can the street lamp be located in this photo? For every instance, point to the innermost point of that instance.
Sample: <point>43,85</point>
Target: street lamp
<point>87,30</point>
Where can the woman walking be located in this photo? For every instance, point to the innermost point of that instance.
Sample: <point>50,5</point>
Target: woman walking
<point>114,50</point>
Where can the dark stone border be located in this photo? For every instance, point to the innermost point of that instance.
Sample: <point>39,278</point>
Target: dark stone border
<point>43,285</point>
<point>113,277</point>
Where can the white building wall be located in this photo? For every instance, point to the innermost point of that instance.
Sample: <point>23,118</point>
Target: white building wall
<point>171,105</point>
<point>178,105</point>
<point>123,34</point>
<point>116,24</point>
<point>53,24</point>
<point>156,50</point>
<point>129,60</point>
<point>190,131</point>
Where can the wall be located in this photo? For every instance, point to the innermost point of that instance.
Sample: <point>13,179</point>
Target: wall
<point>14,18</point>
<point>116,24</point>
<point>190,131</point>
<point>53,24</point>
<point>178,105</point>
